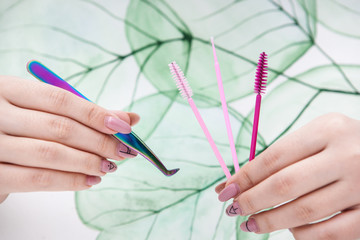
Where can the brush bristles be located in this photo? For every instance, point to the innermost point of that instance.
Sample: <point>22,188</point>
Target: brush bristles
<point>180,80</point>
<point>261,74</point>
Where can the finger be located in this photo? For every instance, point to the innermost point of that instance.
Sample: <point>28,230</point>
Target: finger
<point>344,226</point>
<point>122,115</point>
<point>309,208</point>
<point>134,118</point>
<point>42,154</point>
<point>282,153</point>
<point>3,197</point>
<point>43,97</point>
<point>291,182</point>
<point>26,179</point>
<point>220,187</point>
<point>129,117</point>
<point>41,125</point>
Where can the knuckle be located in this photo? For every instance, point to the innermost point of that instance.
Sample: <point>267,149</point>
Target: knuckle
<point>246,203</point>
<point>58,98</point>
<point>41,178</point>
<point>47,151</point>
<point>327,234</point>
<point>77,182</point>
<point>267,224</point>
<point>337,122</point>
<point>270,158</point>
<point>102,144</point>
<point>304,213</point>
<point>246,181</point>
<point>93,113</point>
<point>62,127</point>
<point>90,166</point>
<point>283,185</point>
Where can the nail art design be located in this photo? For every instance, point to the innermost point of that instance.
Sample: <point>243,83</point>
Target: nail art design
<point>112,166</point>
<point>229,192</point>
<point>128,151</point>
<point>250,226</point>
<point>107,166</point>
<point>247,227</point>
<point>233,209</point>
<point>125,151</point>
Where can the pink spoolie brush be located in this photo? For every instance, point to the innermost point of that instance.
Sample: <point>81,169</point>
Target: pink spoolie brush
<point>259,88</point>
<point>225,109</point>
<point>186,92</point>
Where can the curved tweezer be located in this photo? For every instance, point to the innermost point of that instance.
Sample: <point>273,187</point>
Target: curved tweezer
<point>131,140</point>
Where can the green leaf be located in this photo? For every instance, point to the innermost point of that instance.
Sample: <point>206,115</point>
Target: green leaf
<point>182,32</point>
<point>339,16</point>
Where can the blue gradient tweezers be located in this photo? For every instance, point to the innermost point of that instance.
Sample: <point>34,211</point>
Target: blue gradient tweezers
<point>131,140</point>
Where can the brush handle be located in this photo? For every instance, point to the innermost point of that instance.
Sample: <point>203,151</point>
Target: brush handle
<point>225,109</point>
<point>209,138</point>
<point>255,127</point>
<point>131,140</point>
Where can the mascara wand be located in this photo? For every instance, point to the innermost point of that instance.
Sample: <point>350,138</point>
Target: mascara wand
<point>259,88</point>
<point>186,92</point>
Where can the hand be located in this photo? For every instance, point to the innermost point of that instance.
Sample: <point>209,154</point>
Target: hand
<point>53,140</point>
<point>315,171</point>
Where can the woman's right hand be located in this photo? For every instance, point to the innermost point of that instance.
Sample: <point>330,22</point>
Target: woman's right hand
<point>53,140</point>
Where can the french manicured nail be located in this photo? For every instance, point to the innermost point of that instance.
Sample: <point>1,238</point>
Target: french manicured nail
<point>124,151</point>
<point>93,180</point>
<point>249,226</point>
<point>107,166</point>
<point>117,125</point>
<point>229,192</point>
<point>233,210</point>
<point>220,187</point>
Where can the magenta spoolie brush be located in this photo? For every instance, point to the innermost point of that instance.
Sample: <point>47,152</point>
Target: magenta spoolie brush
<point>259,88</point>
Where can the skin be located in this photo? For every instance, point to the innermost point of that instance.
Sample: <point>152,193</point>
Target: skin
<point>52,140</point>
<point>317,169</point>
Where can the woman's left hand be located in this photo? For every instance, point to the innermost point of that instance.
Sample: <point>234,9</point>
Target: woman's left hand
<point>314,173</point>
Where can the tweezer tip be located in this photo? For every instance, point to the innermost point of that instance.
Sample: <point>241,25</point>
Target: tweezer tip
<point>171,172</point>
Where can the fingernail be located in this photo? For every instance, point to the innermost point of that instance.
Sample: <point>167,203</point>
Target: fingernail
<point>233,210</point>
<point>107,166</point>
<point>220,187</point>
<point>249,226</point>
<point>93,180</point>
<point>229,192</point>
<point>117,125</point>
<point>124,151</point>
